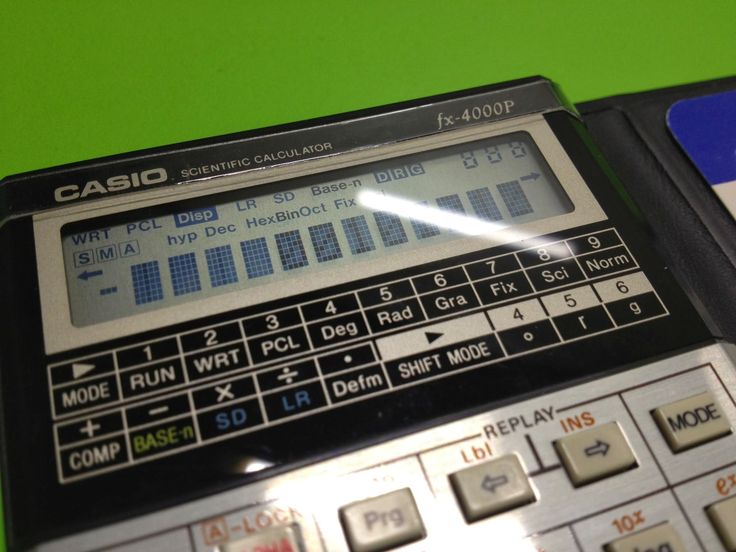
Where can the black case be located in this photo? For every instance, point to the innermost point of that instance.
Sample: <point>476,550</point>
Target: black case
<point>693,231</point>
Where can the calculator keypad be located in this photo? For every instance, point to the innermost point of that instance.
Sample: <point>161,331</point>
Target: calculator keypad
<point>582,469</point>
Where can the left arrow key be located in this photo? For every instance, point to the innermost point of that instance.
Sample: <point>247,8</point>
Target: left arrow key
<point>87,274</point>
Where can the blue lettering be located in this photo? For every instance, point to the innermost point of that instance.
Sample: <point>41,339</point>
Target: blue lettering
<point>222,421</point>
<point>301,399</point>
<point>231,418</point>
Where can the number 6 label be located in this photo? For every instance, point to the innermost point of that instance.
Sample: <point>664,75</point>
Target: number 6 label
<point>623,286</point>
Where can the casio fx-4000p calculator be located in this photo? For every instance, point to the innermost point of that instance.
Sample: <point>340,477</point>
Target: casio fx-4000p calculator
<point>424,325</point>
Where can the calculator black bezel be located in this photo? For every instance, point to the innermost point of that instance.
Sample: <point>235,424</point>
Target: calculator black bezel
<point>38,509</point>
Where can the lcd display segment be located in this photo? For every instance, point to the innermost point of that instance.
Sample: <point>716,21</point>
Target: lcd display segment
<point>128,263</point>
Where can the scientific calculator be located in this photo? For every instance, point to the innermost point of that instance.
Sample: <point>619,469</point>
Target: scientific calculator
<point>433,325</point>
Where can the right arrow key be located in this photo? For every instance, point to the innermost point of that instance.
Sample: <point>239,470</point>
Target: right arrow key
<point>595,453</point>
<point>81,369</point>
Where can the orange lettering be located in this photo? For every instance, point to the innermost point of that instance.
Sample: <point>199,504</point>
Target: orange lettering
<point>577,421</point>
<point>724,485</point>
<point>628,523</point>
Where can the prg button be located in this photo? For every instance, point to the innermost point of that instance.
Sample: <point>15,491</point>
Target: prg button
<point>382,522</point>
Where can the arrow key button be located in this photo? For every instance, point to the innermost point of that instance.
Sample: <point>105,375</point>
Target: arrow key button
<point>595,453</point>
<point>81,369</point>
<point>492,487</point>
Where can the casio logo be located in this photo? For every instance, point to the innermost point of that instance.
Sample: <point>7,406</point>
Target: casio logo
<point>113,184</point>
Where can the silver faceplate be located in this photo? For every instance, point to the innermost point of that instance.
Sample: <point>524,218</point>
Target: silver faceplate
<point>663,487</point>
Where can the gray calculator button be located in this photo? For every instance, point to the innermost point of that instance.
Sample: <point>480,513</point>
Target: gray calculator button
<point>723,517</point>
<point>382,522</point>
<point>595,453</point>
<point>661,537</point>
<point>492,487</point>
<point>692,421</point>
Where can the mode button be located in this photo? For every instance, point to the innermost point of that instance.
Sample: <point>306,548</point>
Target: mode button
<point>692,421</point>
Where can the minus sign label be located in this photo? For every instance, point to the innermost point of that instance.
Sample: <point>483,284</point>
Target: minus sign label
<point>159,410</point>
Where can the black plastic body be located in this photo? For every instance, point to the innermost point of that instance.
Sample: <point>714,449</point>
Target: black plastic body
<point>38,508</point>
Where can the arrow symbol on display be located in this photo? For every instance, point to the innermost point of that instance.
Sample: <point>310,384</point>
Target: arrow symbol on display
<point>531,176</point>
<point>87,274</point>
<point>490,484</point>
<point>433,336</point>
<point>600,447</point>
<point>79,369</point>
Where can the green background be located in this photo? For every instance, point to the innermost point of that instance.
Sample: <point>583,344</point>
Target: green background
<point>87,79</point>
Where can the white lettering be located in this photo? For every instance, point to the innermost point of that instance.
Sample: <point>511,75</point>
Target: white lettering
<point>113,184</point>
